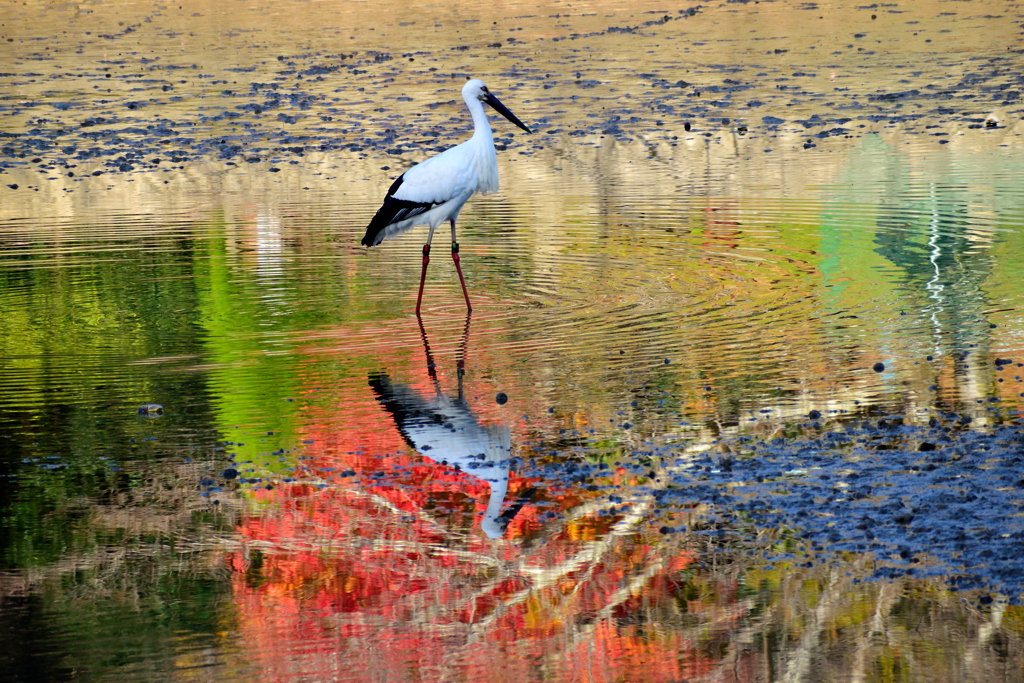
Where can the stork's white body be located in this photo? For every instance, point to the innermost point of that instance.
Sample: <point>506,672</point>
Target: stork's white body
<point>448,180</point>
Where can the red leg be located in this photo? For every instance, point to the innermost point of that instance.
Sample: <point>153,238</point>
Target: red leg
<point>455,257</point>
<point>423,275</point>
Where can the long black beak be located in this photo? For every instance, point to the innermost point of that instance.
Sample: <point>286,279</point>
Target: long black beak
<point>503,110</point>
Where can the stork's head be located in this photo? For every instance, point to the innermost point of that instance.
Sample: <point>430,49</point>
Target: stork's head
<point>476,90</point>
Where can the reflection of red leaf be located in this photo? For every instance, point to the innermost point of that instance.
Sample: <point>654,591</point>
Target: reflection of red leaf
<point>482,606</point>
<point>344,567</point>
<point>379,550</point>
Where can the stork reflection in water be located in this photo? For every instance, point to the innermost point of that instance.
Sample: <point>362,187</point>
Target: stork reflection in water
<point>445,430</point>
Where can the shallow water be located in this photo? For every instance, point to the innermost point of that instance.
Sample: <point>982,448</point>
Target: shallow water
<point>746,364</point>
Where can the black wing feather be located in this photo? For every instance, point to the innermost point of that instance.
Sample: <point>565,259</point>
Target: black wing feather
<point>392,211</point>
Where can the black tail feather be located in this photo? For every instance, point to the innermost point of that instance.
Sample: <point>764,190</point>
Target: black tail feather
<point>392,211</point>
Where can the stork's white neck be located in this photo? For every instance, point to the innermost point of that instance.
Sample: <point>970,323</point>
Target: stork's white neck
<point>481,126</point>
<point>480,148</point>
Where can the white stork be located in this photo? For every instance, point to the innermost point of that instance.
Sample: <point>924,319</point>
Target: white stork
<point>434,191</point>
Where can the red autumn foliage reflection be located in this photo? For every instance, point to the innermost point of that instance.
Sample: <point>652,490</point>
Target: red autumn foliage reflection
<point>374,567</point>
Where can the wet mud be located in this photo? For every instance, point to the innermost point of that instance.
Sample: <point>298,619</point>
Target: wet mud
<point>82,104</point>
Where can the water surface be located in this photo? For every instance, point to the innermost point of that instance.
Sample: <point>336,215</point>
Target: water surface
<point>744,362</point>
